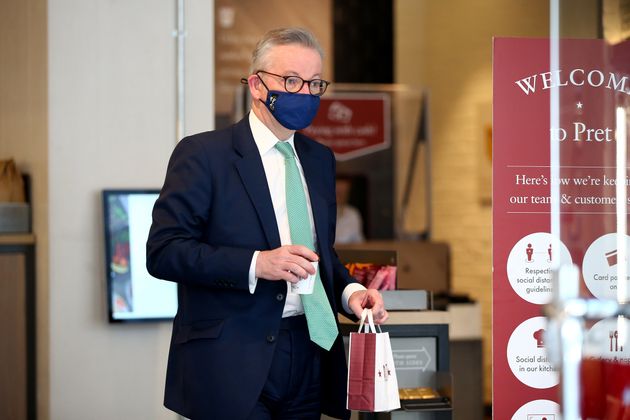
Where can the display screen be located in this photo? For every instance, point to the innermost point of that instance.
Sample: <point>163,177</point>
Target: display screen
<point>133,294</point>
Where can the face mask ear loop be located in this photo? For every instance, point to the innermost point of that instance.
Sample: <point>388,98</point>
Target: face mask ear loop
<point>245,82</point>
<point>263,83</point>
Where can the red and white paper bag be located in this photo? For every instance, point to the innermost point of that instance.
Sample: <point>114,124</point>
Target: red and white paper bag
<point>372,383</point>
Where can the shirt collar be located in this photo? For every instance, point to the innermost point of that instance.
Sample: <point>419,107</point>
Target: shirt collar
<point>264,138</point>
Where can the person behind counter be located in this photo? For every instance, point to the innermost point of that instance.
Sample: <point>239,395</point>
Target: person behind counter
<point>349,221</point>
<point>243,215</point>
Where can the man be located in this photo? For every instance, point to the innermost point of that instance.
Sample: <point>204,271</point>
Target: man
<point>227,229</point>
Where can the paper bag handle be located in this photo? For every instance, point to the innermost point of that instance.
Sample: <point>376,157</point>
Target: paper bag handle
<point>369,326</point>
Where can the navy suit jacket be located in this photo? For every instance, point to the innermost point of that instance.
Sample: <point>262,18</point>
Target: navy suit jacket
<point>213,212</point>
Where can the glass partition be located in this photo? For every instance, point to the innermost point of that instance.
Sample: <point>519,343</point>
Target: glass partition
<point>589,89</point>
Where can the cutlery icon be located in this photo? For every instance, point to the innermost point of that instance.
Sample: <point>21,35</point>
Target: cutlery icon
<point>611,334</point>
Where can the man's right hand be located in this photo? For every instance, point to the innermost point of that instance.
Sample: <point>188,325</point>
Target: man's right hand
<point>289,262</point>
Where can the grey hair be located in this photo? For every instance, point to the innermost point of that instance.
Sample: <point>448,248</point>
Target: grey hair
<point>282,36</point>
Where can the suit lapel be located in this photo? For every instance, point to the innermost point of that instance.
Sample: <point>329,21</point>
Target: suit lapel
<point>252,174</point>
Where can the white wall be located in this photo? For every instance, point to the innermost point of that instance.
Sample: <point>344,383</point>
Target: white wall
<point>111,125</point>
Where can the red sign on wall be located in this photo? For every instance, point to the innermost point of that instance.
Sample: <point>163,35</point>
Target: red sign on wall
<point>353,124</point>
<point>592,85</point>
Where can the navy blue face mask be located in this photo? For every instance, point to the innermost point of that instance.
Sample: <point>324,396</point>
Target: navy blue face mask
<point>294,111</point>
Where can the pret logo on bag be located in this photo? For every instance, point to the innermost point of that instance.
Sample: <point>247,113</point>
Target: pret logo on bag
<point>385,372</point>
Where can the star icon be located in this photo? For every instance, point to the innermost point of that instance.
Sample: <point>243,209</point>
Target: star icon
<point>579,105</point>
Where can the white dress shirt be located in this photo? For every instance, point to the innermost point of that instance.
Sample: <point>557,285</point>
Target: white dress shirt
<point>273,163</point>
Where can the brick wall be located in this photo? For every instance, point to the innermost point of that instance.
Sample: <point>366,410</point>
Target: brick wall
<point>446,48</point>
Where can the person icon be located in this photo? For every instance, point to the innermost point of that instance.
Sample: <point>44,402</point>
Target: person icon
<point>530,252</point>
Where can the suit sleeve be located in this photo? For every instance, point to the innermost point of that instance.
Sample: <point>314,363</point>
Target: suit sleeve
<point>341,276</point>
<point>176,247</point>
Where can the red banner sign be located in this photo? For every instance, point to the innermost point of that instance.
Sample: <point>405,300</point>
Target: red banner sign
<point>592,83</point>
<point>353,124</point>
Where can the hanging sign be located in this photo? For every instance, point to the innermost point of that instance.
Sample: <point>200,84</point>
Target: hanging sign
<point>352,124</point>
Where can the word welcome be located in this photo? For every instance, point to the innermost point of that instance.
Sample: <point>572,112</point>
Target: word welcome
<point>576,77</point>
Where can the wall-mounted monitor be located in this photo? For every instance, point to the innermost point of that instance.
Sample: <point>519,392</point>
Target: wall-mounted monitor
<point>132,293</point>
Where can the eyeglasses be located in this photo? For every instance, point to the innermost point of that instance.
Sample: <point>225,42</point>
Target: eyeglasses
<point>293,84</point>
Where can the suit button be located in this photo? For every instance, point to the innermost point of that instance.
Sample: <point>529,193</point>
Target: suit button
<point>271,338</point>
<point>279,296</point>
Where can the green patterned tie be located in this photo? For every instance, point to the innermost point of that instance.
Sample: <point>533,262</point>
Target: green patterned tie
<point>319,316</point>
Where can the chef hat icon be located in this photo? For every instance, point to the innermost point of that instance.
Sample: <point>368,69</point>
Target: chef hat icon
<point>540,338</point>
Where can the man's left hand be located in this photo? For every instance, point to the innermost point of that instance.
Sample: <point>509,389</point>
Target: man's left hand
<point>372,299</point>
